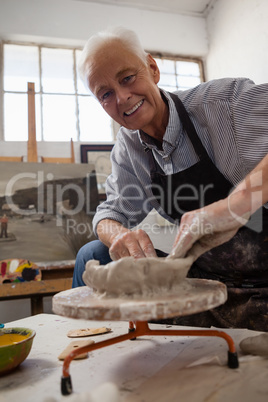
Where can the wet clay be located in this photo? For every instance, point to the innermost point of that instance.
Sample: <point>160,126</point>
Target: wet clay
<point>134,277</point>
<point>255,345</point>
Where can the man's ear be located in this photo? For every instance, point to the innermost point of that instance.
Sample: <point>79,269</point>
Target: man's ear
<point>153,68</point>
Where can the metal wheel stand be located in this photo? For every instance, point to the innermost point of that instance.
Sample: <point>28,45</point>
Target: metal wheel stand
<point>141,328</point>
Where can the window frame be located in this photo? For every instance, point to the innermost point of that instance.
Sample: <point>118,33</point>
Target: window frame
<point>155,54</point>
<point>194,59</point>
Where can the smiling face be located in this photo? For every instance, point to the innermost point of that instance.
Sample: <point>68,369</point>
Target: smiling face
<point>127,89</point>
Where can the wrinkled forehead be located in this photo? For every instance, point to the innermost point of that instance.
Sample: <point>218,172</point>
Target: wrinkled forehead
<point>114,52</point>
<point>110,59</point>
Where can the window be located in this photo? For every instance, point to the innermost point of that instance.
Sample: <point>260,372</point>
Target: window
<point>64,107</point>
<point>179,73</point>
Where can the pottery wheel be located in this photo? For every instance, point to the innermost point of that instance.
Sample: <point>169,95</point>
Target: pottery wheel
<point>191,296</point>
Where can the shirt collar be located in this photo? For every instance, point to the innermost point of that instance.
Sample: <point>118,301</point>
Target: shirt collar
<point>172,134</point>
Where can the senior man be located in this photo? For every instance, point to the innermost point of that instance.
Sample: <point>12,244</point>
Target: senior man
<point>199,157</point>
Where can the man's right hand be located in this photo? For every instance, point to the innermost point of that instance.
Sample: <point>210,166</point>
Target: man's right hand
<point>123,242</point>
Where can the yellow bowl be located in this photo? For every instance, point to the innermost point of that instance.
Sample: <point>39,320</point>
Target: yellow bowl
<point>15,345</point>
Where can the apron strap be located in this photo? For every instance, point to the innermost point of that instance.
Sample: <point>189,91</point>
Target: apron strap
<point>189,127</point>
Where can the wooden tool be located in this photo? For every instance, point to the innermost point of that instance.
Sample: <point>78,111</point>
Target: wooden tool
<point>78,333</point>
<point>73,346</point>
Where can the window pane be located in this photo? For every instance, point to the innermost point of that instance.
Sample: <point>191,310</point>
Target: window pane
<point>16,117</point>
<point>166,66</point>
<point>167,80</point>
<point>188,82</point>
<point>57,70</point>
<point>38,117</point>
<point>81,88</point>
<point>187,68</point>
<point>168,89</point>
<point>59,118</point>
<point>95,124</point>
<point>21,65</point>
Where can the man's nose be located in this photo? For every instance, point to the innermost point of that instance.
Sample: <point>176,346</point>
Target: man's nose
<point>122,95</point>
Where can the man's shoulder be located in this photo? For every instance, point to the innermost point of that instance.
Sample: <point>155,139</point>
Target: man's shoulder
<point>213,90</point>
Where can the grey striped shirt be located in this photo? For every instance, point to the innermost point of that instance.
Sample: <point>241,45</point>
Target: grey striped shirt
<point>231,119</point>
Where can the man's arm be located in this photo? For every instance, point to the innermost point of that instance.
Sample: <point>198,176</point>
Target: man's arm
<point>215,224</point>
<point>123,242</point>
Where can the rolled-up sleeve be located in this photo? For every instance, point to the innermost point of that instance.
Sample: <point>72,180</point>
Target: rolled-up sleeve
<point>250,117</point>
<point>126,192</point>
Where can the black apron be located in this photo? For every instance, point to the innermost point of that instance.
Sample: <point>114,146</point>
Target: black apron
<point>241,263</point>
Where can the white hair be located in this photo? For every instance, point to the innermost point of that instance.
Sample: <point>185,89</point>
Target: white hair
<point>127,37</point>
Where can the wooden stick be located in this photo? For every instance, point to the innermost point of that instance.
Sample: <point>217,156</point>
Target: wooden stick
<point>32,147</point>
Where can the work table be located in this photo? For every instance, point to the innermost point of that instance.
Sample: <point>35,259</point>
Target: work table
<point>148,369</point>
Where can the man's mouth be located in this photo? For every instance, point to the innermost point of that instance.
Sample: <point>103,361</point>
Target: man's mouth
<point>134,108</point>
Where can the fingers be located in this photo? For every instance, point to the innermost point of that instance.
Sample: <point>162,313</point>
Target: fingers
<point>203,229</point>
<point>145,244</point>
<point>196,247</point>
<point>182,244</point>
<point>133,243</point>
<point>116,255</point>
<point>190,231</point>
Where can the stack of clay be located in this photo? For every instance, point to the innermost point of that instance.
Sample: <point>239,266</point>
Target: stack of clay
<point>134,277</point>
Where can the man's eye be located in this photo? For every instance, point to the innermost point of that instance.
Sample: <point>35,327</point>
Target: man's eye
<point>106,95</point>
<point>129,78</point>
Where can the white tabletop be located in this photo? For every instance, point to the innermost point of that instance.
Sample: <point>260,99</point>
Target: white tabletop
<point>160,368</point>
